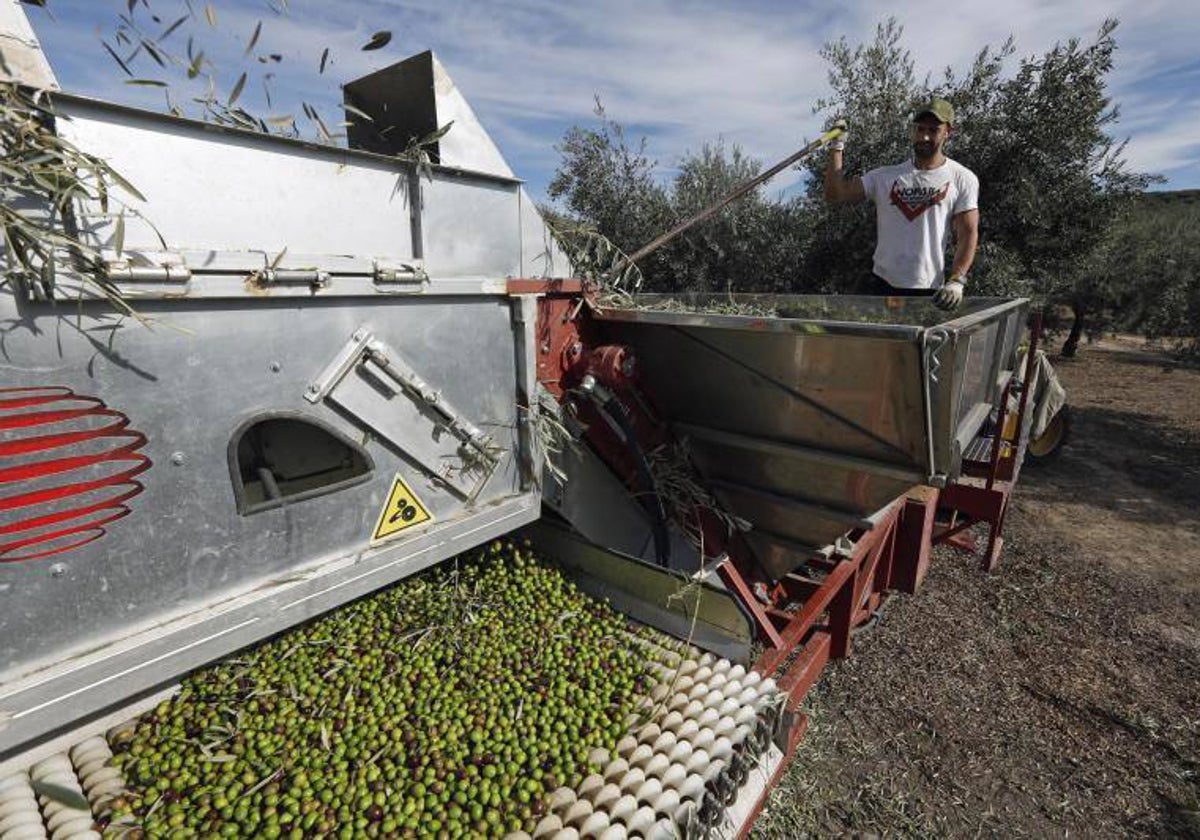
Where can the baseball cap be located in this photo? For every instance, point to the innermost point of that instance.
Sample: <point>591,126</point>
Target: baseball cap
<point>939,108</point>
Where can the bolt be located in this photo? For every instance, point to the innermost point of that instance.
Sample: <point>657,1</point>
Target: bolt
<point>58,570</point>
<point>177,458</point>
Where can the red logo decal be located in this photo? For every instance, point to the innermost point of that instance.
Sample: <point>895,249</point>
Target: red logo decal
<point>67,467</point>
<point>913,201</point>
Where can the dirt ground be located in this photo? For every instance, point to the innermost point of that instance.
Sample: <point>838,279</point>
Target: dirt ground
<point>1060,696</point>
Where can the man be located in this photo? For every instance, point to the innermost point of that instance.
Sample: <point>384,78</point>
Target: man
<point>917,203</point>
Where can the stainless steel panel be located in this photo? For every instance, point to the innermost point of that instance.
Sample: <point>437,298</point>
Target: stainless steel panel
<point>472,227</point>
<point>188,388</point>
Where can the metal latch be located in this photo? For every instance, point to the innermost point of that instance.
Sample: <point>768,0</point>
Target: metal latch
<point>365,378</point>
<point>399,278</point>
<point>312,277</point>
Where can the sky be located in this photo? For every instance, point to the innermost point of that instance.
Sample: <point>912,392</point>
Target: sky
<point>680,74</point>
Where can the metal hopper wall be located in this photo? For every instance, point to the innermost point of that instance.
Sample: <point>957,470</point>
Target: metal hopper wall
<point>805,426</point>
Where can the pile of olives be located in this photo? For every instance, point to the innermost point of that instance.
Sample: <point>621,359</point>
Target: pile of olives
<point>451,704</point>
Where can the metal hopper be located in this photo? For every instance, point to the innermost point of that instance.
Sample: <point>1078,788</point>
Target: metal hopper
<point>810,417</point>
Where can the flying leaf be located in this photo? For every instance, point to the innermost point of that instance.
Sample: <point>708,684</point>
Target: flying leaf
<point>278,258</point>
<point>253,39</point>
<point>237,89</point>
<point>61,795</point>
<point>324,58</point>
<point>211,14</point>
<point>154,53</point>
<point>117,58</point>
<point>170,29</point>
<point>378,41</point>
<point>357,112</point>
<point>194,68</point>
<point>321,125</point>
<point>146,82</point>
<point>434,136</point>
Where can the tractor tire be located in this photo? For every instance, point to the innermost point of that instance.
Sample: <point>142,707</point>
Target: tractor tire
<point>1049,444</point>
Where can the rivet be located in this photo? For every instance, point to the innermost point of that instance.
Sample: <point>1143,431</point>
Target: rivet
<point>177,458</point>
<point>58,570</point>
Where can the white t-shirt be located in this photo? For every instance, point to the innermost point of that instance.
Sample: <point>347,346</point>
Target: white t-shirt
<point>913,209</point>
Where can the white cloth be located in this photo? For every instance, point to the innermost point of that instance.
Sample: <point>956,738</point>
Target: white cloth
<point>913,209</point>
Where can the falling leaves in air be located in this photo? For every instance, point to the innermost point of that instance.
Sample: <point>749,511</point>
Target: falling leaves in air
<point>378,41</point>
<point>253,39</point>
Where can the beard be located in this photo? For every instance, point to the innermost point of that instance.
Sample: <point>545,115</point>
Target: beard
<point>925,151</point>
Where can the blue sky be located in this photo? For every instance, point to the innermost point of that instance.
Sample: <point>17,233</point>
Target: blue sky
<point>680,73</point>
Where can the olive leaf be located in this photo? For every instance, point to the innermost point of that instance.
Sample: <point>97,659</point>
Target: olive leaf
<point>194,68</point>
<point>61,795</point>
<point>378,41</point>
<point>117,58</point>
<point>237,89</point>
<point>253,39</point>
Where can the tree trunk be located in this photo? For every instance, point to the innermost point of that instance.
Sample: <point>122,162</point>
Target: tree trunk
<point>1071,345</point>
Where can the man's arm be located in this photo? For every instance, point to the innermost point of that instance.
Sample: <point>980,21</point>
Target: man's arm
<point>966,240</point>
<point>837,189</point>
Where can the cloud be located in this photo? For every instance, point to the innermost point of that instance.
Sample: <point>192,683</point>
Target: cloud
<point>682,73</point>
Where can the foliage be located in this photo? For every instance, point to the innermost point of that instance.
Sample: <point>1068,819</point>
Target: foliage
<point>1153,255</point>
<point>609,186</point>
<point>44,176</point>
<point>1053,183</point>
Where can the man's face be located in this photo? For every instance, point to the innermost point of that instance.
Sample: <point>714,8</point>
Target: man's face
<point>929,134</point>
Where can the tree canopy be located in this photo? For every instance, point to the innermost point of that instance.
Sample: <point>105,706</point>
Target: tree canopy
<point>1037,131</point>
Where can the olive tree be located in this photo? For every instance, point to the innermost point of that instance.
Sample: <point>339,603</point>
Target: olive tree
<point>610,184</point>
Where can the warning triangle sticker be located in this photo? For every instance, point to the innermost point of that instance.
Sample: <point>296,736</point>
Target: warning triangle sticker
<point>402,511</point>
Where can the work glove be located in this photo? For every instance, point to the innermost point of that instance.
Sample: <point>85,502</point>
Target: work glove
<point>950,296</point>
<point>838,144</point>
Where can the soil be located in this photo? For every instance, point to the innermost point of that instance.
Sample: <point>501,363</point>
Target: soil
<point>1060,695</point>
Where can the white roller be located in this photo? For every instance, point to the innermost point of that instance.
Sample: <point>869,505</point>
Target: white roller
<point>547,826</point>
<point>632,780</point>
<point>604,798</point>
<point>590,786</point>
<point>642,821</point>
<point>594,824</point>
<point>657,765</point>
<point>623,808</point>
<point>616,768</point>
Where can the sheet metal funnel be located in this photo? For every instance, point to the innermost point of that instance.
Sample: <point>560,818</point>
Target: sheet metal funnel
<point>808,414</point>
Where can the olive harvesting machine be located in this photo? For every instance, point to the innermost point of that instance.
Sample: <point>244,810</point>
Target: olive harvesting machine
<point>287,375</point>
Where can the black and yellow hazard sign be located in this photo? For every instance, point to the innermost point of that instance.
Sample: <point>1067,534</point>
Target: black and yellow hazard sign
<point>403,510</point>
